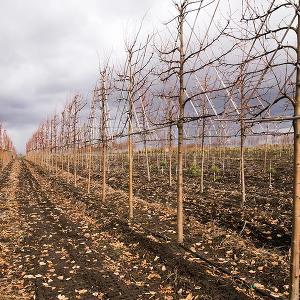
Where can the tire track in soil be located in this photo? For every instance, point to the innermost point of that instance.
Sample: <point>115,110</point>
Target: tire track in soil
<point>11,232</point>
<point>4,182</point>
<point>212,284</point>
<point>124,261</point>
<point>54,252</point>
<point>5,174</point>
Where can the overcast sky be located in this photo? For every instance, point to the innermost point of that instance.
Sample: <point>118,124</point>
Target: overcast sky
<point>49,50</point>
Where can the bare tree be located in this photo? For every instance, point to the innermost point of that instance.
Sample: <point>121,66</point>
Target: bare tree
<point>183,62</point>
<point>103,90</point>
<point>269,36</point>
<point>135,84</point>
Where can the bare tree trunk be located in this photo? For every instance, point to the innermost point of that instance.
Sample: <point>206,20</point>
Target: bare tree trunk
<point>89,168</point>
<point>242,140</point>
<point>104,169</point>
<point>62,155</point>
<point>170,141</point>
<point>51,144</point>
<point>147,160</point>
<point>242,164</point>
<point>68,166</point>
<point>180,184</point>
<point>104,135</point>
<point>170,156</point>
<point>270,174</point>
<point>130,147</point>
<point>130,171</point>
<point>180,136</point>
<point>202,155</point>
<point>75,164</point>
<point>295,247</point>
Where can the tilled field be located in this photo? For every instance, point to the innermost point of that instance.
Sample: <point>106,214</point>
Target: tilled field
<point>58,242</point>
<point>251,242</point>
<point>266,217</point>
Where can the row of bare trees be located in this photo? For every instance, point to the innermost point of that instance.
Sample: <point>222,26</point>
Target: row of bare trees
<point>7,150</point>
<point>203,77</point>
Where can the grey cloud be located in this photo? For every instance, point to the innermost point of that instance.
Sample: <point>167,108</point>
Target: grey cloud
<point>49,50</point>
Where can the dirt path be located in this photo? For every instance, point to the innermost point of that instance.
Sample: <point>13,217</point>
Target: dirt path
<point>58,256</point>
<point>12,230</point>
<point>71,246</point>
